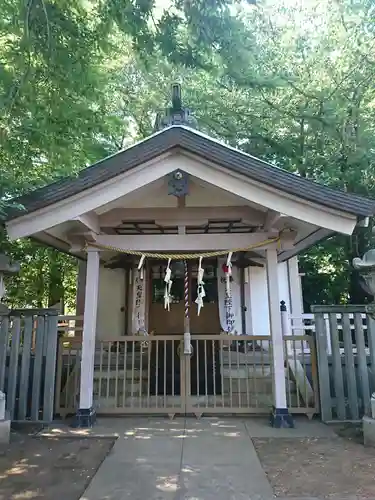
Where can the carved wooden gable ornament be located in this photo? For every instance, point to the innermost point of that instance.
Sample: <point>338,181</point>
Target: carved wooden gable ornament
<point>178,183</point>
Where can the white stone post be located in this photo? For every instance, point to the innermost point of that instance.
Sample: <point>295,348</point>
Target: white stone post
<point>280,416</point>
<point>86,413</point>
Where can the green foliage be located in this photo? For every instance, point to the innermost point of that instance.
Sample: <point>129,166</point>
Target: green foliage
<point>289,82</point>
<point>46,276</point>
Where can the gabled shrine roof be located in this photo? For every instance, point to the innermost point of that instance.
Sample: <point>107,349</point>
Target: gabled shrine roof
<point>196,143</point>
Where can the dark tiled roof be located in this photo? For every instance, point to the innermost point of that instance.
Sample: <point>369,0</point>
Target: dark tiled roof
<point>203,146</point>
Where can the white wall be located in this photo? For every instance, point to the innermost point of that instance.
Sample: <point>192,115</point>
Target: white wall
<point>201,194</point>
<point>284,293</point>
<point>257,298</point>
<point>259,301</point>
<point>296,295</point>
<point>110,319</point>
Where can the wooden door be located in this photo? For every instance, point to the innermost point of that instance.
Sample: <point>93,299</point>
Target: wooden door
<point>165,359</point>
<point>205,353</point>
<point>208,321</point>
<point>162,321</point>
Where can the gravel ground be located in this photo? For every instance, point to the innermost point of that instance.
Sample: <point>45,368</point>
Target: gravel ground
<point>334,469</point>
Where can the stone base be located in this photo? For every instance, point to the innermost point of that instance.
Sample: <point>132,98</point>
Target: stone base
<point>368,427</point>
<point>4,431</point>
<point>84,418</point>
<point>280,417</point>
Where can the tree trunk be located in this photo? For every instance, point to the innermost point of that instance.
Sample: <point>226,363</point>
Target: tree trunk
<point>55,282</point>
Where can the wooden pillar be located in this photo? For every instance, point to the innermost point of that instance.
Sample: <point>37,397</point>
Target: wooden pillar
<point>243,300</point>
<point>248,311</point>
<point>86,414</point>
<point>81,284</point>
<point>280,416</point>
<point>80,295</point>
<point>129,301</point>
<point>128,291</point>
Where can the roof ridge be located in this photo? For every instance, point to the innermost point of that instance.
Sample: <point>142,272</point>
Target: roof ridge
<point>202,145</point>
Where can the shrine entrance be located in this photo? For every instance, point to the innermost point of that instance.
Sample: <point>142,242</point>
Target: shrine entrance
<point>164,322</point>
<point>167,360</point>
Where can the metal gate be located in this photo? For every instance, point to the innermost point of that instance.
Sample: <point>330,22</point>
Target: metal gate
<point>151,375</point>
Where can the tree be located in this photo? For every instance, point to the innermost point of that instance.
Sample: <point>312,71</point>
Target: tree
<point>79,81</point>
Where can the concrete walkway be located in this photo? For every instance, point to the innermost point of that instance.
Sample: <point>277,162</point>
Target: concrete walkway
<point>187,459</point>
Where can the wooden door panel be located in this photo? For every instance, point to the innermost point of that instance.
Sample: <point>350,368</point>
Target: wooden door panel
<point>207,321</point>
<point>164,322</point>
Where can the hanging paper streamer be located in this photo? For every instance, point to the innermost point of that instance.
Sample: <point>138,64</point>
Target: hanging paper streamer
<point>140,266</point>
<point>139,303</point>
<point>200,287</point>
<point>229,298</point>
<point>168,286</point>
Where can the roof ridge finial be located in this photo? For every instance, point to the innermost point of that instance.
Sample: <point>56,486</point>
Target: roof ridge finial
<point>176,114</point>
<point>176,97</point>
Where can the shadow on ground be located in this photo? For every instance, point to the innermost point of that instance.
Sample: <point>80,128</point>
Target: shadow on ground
<point>34,467</point>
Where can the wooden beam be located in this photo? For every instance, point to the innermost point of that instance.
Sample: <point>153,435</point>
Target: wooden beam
<point>254,263</point>
<point>287,240</point>
<point>256,258</point>
<point>90,221</point>
<point>304,243</point>
<point>181,242</point>
<point>271,219</point>
<point>52,241</point>
<point>181,201</point>
<point>185,222</point>
<point>76,241</point>
<point>174,216</point>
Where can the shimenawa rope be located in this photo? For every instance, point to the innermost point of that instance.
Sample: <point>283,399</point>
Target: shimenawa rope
<point>181,256</point>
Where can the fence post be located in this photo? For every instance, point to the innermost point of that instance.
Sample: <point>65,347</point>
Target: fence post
<point>323,368</point>
<point>293,362</point>
<point>50,366</point>
<point>328,334</point>
<point>4,340</point>
<point>25,367</point>
<point>59,363</point>
<point>13,366</point>
<point>350,367</point>
<point>338,380</point>
<point>37,371</point>
<point>371,346</point>
<point>362,363</point>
